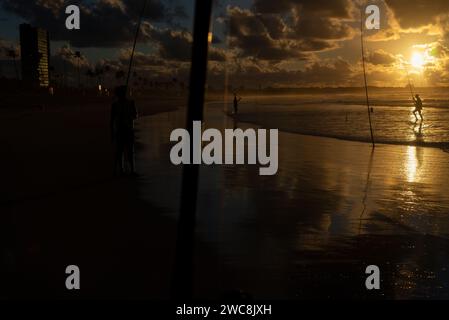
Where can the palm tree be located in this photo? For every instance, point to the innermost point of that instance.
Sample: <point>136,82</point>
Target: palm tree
<point>120,75</point>
<point>13,54</point>
<point>78,57</point>
<point>106,70</point>
<point>99,71</point>
<point>90,75</point>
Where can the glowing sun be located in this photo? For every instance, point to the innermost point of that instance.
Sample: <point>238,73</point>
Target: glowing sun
<point>417,60</point>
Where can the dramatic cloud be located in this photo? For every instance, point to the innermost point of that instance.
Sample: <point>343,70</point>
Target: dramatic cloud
<point>104,23</point>
<point>141,59</point>
<point>69,56</point>
<point>8,50</point>
<point>417,14</point>
<point>177,45</point>
<point>173,45</point>
<point>258,42</point>
<point>312,20</point>
<point>289,29</point>
<point>335,9</point>
<point>260,37</point>
<point>252,72</point>
<point>380,57</point>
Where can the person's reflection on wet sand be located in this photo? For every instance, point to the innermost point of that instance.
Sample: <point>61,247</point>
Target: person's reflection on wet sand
<point>418,133</point>
<point>123,114</point>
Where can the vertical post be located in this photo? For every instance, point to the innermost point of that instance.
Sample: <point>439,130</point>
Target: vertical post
<point>182,281</point>
<point>135,42</point>
<point>364,77</point>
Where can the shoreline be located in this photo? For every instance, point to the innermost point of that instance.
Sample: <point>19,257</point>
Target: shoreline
<point>443,146</point>
<point>436,145</point>
<point>333,208</point>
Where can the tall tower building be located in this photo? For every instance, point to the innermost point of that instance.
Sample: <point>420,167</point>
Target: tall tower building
<point>35,55</point>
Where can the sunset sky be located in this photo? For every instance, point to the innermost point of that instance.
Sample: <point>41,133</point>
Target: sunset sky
<point>283,43</point>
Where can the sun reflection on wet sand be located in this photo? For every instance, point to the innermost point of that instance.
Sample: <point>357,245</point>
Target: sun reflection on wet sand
<point>411,166</point>
<point>314,202</point>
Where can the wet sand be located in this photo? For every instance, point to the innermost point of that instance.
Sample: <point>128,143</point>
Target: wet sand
<point>310,231</point>
<point>61,205</point>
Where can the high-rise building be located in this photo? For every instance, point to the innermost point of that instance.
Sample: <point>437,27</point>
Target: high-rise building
<point>35,55</point>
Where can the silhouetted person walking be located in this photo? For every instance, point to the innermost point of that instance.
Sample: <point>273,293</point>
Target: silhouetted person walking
<point>236,103</point>
<point>123,114</point>
<point>418,107</point>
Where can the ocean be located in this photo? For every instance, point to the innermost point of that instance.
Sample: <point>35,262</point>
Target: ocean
<point>345,116</point>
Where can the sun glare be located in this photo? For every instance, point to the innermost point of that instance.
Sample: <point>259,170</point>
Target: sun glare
<point>417,60</point>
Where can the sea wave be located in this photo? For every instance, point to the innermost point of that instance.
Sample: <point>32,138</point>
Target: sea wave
<point>350,122</point>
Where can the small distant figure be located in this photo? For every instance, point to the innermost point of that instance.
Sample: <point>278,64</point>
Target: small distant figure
<point>123,114</point>
<point>418,107</point>
<point>237,99</point>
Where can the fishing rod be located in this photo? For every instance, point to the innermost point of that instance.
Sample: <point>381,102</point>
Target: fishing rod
<point>135,42</point>
<point>364,77</point>
<point>410,84</point>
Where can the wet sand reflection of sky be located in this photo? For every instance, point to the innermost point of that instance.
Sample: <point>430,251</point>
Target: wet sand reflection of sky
<point>326,194</point>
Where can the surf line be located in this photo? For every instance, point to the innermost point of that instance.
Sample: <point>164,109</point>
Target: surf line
<point>212,153</point>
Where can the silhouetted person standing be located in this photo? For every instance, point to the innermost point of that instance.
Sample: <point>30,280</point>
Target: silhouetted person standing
<point>123,114</point>
<point>236,103</point>
<point>418,107</point>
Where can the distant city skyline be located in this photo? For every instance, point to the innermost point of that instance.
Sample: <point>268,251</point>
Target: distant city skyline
<point>35,55</point>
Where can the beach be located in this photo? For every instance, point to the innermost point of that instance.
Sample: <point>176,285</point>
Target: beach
<point>61,205</point>
<point>346,117</point>
<point>334,207</point>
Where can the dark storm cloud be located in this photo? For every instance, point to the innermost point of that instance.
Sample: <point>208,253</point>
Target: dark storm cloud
<point>274,25</point>
<point>8,50</point>
<point>260,37</point>
<point>173,45</point>
<point>286,29</point>
<point>177,45</point>
<point>65,55</point>
<point>141,59</point>
<point>334,8</point>
<point>320,28</point>
<point>380,57</point>
<point>417,13</point>
<point>317,19</point>
<point>104,23</point>
<point>337,72</point>
<point>216,54</point>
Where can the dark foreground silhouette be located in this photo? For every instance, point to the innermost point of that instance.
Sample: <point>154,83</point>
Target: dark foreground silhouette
<point>123,114</point>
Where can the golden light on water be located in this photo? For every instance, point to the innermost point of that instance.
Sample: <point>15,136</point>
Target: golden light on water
<point>411,164</point>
